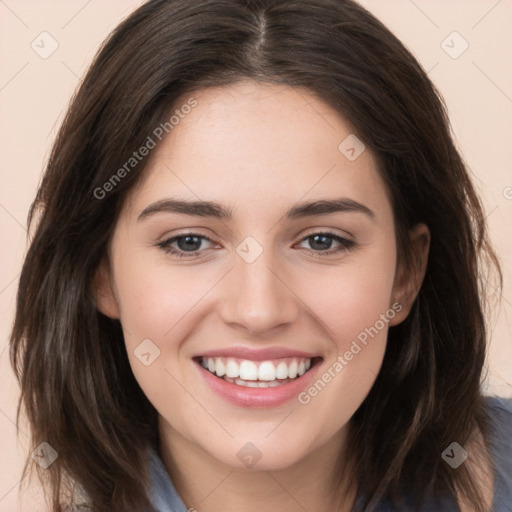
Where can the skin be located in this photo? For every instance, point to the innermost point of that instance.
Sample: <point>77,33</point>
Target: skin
<point>260,150</point>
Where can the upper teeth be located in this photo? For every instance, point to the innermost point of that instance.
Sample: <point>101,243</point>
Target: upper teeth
<point>257,370</point>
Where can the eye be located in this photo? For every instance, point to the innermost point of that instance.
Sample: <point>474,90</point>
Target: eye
<point>188,243</point>
<point>321,243</point>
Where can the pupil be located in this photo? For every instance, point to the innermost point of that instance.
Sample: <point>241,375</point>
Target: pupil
<point>184,244</point>
<point>315,242</point>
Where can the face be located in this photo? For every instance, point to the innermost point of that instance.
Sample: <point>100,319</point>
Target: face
<point>281,278</point>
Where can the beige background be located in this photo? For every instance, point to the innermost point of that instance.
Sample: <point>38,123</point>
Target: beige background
<point>34,93</point>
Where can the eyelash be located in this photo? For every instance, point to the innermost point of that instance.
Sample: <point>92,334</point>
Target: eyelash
<point>345,245</point>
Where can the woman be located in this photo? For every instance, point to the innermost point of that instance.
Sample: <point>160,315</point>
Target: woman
<point>254,280</point>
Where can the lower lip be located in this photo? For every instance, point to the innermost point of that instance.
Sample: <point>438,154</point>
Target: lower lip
<point>258,397</point>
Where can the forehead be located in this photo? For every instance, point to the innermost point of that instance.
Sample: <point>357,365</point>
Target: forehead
<point>259,145</point>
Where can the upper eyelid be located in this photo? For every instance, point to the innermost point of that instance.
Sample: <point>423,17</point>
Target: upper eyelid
<point>327,231</point>
<point>315,231</point>
<point>183,235</point>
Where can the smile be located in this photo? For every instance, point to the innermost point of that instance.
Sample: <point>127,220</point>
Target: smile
<point>254,374</point>
<point>262,378</point>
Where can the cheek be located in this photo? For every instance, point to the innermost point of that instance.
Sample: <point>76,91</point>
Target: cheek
<point>156,304</point>
<point>352,297</point>
<point>155,298</point>
<point>354,304</point>
<point>356,307</point>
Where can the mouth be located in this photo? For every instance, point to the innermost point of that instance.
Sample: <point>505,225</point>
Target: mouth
<point>258,374</point>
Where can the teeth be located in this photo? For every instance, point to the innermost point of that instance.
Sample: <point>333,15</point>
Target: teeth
<point>256,373</point>
<point>266,371</point>
<point>292,370</point>
<point>232,369</point>
<point>282,371</point>
<point>248,370</point>
<point>257,384</point>
<point>219,369</point>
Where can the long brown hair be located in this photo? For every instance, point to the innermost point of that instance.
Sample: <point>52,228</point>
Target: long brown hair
<point>77,387</point>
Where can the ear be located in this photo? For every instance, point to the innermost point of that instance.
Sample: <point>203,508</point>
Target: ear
<point>104,296</point>
<point>408,281</point>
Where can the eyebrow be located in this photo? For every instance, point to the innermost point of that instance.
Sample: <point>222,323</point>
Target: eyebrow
<point>219,211</point>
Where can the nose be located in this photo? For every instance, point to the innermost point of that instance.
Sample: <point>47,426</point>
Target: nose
<point>258,297</point>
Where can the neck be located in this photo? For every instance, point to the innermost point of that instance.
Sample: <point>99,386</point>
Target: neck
<point>208,485</point>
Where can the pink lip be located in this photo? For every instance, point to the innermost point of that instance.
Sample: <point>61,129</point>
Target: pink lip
<point>256,354</point>
<point>257,397</point>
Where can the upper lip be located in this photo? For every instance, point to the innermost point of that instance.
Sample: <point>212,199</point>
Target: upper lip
<point>257,354</point>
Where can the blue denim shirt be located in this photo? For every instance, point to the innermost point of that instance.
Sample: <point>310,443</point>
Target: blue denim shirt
<point>166,499</point>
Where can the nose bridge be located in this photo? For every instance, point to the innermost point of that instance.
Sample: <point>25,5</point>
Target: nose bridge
<point>258,298</point>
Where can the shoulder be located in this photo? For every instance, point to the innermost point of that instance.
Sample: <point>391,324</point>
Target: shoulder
<point>500,432</point>
<point>500,424</point>
<point>500,410</point>
<point>494,474</point>
<point>492,464</point>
